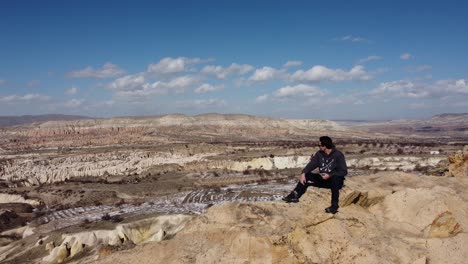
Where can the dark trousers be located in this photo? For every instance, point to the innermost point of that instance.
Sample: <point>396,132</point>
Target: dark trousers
<point>314,179</point>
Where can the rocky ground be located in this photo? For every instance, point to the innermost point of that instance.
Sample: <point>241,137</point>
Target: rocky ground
<point>102,190</point>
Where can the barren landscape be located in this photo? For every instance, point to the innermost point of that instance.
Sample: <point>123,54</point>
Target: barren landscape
<point>196,189</point>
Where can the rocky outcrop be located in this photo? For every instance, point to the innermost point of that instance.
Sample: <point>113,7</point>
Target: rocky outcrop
<point>148,230</point>
<point>458,164</point>
<point>388,217</point>
<point>36,170</point>
<point>157,130</point>
<point>16,198</point>
<point>405,163</point>
<point>442,125</point>
<point>418,220</point>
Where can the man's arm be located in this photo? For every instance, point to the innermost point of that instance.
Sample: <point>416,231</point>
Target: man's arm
<point>313,163</point>
<point>341,168</point>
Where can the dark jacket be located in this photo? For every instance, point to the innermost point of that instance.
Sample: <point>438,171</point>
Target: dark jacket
<point>333,164</point>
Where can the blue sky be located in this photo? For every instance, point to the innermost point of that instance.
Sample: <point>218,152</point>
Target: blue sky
<point>295,59</point>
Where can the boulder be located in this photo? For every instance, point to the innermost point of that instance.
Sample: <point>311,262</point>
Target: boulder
<point>458,164</point>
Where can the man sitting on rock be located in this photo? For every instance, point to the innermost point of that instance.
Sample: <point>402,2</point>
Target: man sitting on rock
<point>332,167</point>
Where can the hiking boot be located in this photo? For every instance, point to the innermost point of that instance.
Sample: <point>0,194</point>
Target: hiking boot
<point>331,210</point>
<point>291,198</point>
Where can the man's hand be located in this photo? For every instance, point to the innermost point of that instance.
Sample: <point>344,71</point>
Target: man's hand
<point>302,179</point>
<point>325,176</point>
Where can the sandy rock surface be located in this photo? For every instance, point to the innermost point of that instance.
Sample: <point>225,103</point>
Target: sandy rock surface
<point>385,218</point>
<point>458,166</point>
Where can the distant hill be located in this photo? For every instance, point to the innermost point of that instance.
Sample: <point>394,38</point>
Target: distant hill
<point>449,115</point>
<point>6,121</point>
<point>447,124</point>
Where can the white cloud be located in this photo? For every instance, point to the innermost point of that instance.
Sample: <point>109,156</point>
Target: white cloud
<point>183,82</point>
<point>73,103</point>
<point>28,98</point>
<point>265,74</point>
<point>204,103</point>
<point>452,87</point>
<point>72,91</point>
<point>300,90</point>
<point>370,58</point>
<point>301,93</point>
<point>175,65</point>
<point>401,88</point>
<point>292,64</point>
<point>222,73</point>
<point>320,73</point>
<point>137,86</point>
<point>108,70</point>
<point>408,89</point>
<point>205,88</point>
<point>262,98</point>
<point>354,39</point>
<point>128,83</point>
<point>406,56</point>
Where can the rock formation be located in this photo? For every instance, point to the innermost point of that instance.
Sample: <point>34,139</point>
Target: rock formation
<point>458,164</point>
<point>387,218</point>
<point>162,129</point>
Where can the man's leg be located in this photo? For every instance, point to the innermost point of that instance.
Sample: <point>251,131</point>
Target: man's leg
<point>336,183</point>
<point>311,180</point>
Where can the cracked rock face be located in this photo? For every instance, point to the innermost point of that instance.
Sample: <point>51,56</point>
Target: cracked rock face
<point>458,166</point>
<point>421,219</point>
<point>36,170</point>
<point>153,229</point>
<point>150,130</point>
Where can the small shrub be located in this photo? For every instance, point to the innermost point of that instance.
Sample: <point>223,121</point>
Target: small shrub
<point>116,219</point>
<point>106,217</point>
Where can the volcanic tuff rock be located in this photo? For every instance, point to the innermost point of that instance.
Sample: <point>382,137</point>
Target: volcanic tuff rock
<point>444,124</point>
<point>388,217</point>
<point>146,130</point>
<point>36,170</point>
<point>458,166</point>
<point>16,198</point>
<point>26,119</point>
<point>153,229</point>
<point>384,218</point>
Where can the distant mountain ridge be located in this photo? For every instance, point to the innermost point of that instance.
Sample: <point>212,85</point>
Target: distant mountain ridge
<point>451,115</point>
<point>6,121</point>
<point>447,124</point>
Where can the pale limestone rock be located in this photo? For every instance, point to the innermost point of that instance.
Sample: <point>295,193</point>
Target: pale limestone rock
<point>58,254</point>
<point>458,164</point>
<point>76,248</point>
<point>448,250</point>
<point>50,246</point>
<point>153,229</point>
<point>23,232</point>
<point>16,198</point>
<point>445,225</point>
<point>420,207</point>
<point>387,218</point>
